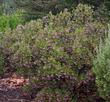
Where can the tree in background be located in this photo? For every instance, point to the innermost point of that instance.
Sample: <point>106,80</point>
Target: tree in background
<point>39,8</point>
<point>7,6</point>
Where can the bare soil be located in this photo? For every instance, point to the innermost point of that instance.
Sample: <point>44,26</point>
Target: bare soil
<point>11,89</point>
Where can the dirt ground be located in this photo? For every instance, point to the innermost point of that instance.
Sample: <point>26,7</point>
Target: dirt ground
<point>11,89</point>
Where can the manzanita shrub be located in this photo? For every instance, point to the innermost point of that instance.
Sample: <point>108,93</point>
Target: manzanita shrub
<point>102,68</point>
<point>56,44</point>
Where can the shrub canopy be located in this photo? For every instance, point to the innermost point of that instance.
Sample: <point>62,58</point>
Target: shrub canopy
<point>55,44</point>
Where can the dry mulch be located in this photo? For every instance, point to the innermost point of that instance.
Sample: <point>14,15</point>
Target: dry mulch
<point>11,89</point>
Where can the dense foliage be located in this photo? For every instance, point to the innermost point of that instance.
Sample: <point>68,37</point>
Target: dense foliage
<point>57,43</point>
<point>57,51</point>
<point>54,44</point>
<point>102,68</point>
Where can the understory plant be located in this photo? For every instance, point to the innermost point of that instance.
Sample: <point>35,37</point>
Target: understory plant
<point>102,68</point>
<point>10,21</point>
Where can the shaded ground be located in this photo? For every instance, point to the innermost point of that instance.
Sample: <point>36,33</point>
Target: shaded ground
<point>11,89</point>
